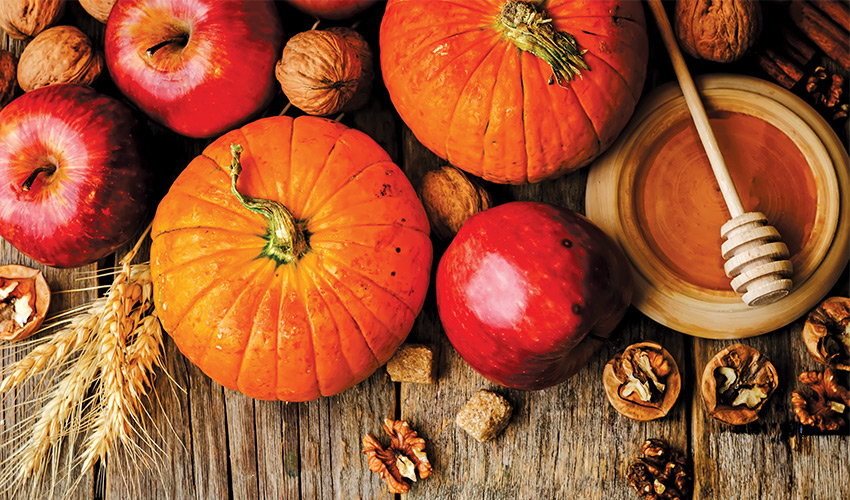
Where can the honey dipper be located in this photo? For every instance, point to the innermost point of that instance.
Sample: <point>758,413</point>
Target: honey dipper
<point>756,260</point>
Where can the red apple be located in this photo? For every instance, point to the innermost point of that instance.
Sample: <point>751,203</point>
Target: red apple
<point>332,9</point>
<point>73,187</point>
<point>526,291</point>
<point>199,67</point>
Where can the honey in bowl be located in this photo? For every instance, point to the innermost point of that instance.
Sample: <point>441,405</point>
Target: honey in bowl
<point>679,208</point>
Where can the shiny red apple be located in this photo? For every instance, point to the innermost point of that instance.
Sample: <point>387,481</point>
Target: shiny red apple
<point>528,291</point>
<point>73,184</point>
<point>199,67</point>
<point>332,9</point>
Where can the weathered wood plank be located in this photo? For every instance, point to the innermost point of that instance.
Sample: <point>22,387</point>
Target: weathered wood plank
<point>726,458</point>
<point>10,414</point>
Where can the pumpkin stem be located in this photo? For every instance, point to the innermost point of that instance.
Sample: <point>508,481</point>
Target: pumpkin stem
<point>530,30</point>
<point>286,241</point>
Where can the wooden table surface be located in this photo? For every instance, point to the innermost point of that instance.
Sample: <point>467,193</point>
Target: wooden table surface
<point>563,442</point>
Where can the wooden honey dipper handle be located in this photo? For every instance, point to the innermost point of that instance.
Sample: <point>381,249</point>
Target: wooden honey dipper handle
<point>755,258</point>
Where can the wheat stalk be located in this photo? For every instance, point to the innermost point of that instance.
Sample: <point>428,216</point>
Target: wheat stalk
<point>102,361</point>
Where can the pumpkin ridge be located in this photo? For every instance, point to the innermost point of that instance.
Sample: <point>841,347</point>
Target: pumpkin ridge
<point>318,274</point>
<point>244,214</point>
<point>204,257</point>
<point>319,204</point>
<point>453,114</point>
<point>309,196</point>
<point>457,4</point>
<point>634,93</point>
<point>201,293</point>
<point>560,135</point>
<point>300,292</point>
<point>332,256</point>
<point>325,275</point>
<point>524,178</point>
<point>321,292</point>
<point>271,193</point>
<point>208,228</point>
<point>429,47</point>
<point>302,203</point>
<point>254,305</point>
<point>202,355</point>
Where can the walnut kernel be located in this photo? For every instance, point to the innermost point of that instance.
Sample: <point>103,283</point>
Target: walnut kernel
<point>22,19</point>
<point>736,383</point>
<point>450,197</point>
<point>661,473</point>
<point>24,300</point>
<point>826,407</point>
<point>403,459</point>
<point>826,333</point>
<point>62,54</point>
<point>643,382</point>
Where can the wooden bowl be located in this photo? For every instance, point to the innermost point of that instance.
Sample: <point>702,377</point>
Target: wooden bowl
<point>653,191</point>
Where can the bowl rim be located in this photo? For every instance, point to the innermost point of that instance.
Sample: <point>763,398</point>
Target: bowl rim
<point>669,299</point>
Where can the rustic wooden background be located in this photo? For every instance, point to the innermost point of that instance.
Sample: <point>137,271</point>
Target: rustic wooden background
<point>563,442</point>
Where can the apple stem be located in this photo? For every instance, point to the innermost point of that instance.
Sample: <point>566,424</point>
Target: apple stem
<point>285,240</point>
<point>180,40</point>
<point>27,185</point>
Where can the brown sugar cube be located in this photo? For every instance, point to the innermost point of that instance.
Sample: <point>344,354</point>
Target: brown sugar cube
<point>413,363</point>
<point>485,415</point>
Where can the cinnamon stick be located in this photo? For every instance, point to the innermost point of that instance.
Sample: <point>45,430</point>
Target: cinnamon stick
<point>837,10</point>
<point>774,70</point>
<point>827,35</point>
<point>796,46</point>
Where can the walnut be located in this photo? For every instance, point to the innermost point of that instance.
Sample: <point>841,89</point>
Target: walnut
<point>450,197</point>
<point>717,30</point>
<point>736,383</point>
<point>24,300</point>
<point>643,382</point>
<point>62,54</point>
<point>827,333</point>
<point>98,9</point>
<point>8,78</point>
<point>827,407</point>
<point>24,19</point>
<point>402,459</point>
<point>661,473</point>
<point>323,72</point>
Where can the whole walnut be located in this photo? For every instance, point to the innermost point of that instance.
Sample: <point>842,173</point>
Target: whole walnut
<point>98,9</point>
<point>8,65</point>
<point>718,30</point>
<point>450,197</point>
<point>62,54</point>
<point>23,19</point>
<point>323,72</point>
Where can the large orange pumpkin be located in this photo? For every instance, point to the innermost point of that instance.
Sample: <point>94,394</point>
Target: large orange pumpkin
<point>514,91</point>
<point>306,276</point>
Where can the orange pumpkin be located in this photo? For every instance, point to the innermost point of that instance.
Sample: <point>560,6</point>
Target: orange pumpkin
<point>512,91</point>
<point>307,275</point>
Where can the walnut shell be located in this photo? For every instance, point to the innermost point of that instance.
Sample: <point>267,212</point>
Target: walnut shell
<point>744,371</point>
<point>450,197</point>
<point>24,19</point>
<point>614,379</point>
<point>29,282</point>
<point>98,9</point>
<point>323,72</point>
<point>717,30</point>
<point>8,78</point>
<point>826,333</point>
<point>62,54</point>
